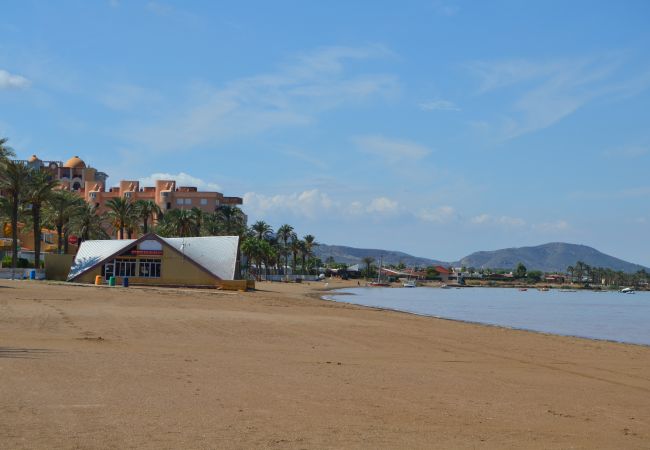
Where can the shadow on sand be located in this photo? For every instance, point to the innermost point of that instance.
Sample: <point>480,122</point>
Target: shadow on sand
<point>24,353</point>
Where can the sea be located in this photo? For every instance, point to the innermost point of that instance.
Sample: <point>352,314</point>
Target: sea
<point>606,315</point>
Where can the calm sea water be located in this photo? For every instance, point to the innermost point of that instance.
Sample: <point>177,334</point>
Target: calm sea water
<point>596,315</point>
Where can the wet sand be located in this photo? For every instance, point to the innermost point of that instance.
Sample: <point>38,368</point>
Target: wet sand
<point>98,367</point>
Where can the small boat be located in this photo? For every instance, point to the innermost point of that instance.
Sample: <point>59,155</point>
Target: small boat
<point>568,290</point>
<point>409,284</point>
<point>444,286</point>
<point>379,282</point>
<point>523,289</point>
<point>544,289</point>
<point>627,291</point>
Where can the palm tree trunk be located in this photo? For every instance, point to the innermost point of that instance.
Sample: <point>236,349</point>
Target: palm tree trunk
<point>59,237</point>
<point>14,232</point>
<point>36,218</point>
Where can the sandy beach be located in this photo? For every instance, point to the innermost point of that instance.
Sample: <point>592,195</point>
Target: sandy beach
<point>98,367</point>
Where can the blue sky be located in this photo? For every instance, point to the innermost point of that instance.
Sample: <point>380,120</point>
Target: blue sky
<point>434,127</point>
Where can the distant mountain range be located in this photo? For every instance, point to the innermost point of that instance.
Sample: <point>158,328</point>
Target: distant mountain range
<point>552,257</point>
<point>351,255</point>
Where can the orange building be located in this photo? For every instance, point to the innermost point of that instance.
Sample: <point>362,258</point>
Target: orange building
<point>89,183</point>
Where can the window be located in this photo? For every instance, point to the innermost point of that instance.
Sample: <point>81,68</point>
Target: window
<point>204,201</point>
<point>128,194</point>
<point>150,268</point>
<point>179,201</point>
<point>188,201</point>
<point>124,267</point>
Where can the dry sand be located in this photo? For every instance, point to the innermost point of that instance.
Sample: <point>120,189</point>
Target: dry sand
<point>96,367</point>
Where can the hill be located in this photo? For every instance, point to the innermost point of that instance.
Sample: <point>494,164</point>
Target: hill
<point>552,257</point>
<point>351,255</point>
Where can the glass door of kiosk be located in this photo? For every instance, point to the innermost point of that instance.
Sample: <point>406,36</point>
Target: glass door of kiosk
<point>109,270</point>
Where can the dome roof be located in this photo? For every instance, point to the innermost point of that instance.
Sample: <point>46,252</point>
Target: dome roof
<point>75,163</point>
<point>34,158</point>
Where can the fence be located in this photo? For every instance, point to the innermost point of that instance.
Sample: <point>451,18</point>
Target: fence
<point>290,278</point>
<point>19,274</point>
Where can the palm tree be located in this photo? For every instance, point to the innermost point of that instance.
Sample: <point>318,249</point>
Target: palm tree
<point>284,234</point>
<point>309,244</point>
<point>368,260</point>
<point>121,212</point>
<point>233,218</point>
<point>59,208</point>
<point>198,217</point>
<point>12,182</point>
<point>87,224</point>
<point>177,223</point>
<point>6,152</point>
<point>38,190</point>
<point>295,249</point>
<point>146,210</point>
<point>262,230</point>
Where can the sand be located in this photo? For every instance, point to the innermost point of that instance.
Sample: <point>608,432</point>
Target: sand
<point>99,367</point>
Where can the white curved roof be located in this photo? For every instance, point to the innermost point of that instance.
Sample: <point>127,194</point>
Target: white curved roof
<point>216,254</point>
<point>92,253</point>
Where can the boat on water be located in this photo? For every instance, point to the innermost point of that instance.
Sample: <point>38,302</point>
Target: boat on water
<point>379,282</point>
<point>568,290</point>
<point>409,284</point>
<point>523,289</point>
<point>544,289</point>
<point>444,286</point>
<point>627,291</point>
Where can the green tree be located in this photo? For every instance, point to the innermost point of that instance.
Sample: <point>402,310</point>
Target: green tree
<point>38,190</point>
<point>13,178</point>
<point>309,242</point>
<point>87,224</point>
<point>285,232</point>
<point>121,212</point>
<point>58,211</point>
<point>233,220</point>
<point>520,271</point>
<point>368,260</point>
<point>6,152</point>
<point>262,230</point>
<point>146,210</point>
<point>177,223</point>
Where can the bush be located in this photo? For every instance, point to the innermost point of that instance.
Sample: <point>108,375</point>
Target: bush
<point>22,263</point>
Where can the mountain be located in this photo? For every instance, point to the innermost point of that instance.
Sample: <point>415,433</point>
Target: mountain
<point>351,255</point>
<point>552,257</point>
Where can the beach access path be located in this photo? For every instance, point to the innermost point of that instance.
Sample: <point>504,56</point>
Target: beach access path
<point>99,367</point>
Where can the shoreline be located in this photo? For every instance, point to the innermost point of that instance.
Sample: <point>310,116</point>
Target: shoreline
<point>283,368</point>
<point>472,322</point>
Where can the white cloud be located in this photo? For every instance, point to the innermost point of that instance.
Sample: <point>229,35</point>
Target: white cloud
<point>310,204</point>
<point>439,105</point>
<point>11,81</point>
<point>292,96</point>
<point>314,204</point>
<point>544,93</point>
<point>505,221</point>
<point>382,205</point>
<point>391,150</point>
<point>442,214</point>
<point>550,227</point>
<point>182,179</point>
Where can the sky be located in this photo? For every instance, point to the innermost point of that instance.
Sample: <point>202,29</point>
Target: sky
<point>434,127</point>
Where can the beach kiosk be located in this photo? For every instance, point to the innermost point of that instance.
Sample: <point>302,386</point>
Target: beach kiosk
<point>211,261</point>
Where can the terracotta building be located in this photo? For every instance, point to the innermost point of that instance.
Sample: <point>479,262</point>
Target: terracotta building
<point>74,175</point>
